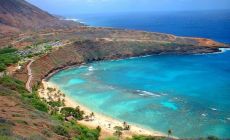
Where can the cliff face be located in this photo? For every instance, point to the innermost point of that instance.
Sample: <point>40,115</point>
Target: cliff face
<point>88,51</point>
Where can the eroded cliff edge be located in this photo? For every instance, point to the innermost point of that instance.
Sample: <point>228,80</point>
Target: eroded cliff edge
<point>85,51</point>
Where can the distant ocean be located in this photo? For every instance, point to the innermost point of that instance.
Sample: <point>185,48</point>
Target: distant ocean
<point>189,94</point>
<point>208,24</point>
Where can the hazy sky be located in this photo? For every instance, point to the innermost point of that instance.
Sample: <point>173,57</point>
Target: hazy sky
<point>65,7</point>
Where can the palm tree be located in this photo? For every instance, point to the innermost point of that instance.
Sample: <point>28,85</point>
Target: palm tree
<point>169,132</point>
<point>124,124</point>
<point>92,116</point>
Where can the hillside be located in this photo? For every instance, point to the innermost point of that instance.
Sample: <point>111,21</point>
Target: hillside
<point>17,15</point>
<point>51,44</point>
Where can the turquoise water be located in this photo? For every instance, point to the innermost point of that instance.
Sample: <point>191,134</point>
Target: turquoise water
<point>189,94</point>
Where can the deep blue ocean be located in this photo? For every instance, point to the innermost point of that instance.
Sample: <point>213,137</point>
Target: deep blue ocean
<point>189,94</point>
<point>208,24</point>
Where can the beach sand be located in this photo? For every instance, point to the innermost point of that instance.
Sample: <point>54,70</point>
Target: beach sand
<point>106,123</point>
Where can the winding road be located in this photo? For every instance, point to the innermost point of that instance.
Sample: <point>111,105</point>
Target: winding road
<point>29,72</point>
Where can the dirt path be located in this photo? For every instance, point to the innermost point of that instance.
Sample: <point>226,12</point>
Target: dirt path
<point>29,72</point>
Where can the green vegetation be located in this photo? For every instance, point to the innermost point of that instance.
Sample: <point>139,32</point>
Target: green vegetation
<point>47,133</point>
<point>212,138</point>
<point>55,103</point>
<point>27,97</point>
<point>35,101</point>
<point>8,56</point>
<point>85,132</point>
<point>112,138</point>
<point>169,132</point>
<point>70,129</point>
<point>69,111</point>
<point>126,126</point>
<point>118,131</point>
<point>6,138</point>
<point>11,85</point>
<point>60,130</point>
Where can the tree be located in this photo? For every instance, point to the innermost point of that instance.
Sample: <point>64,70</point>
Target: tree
<point>169,132</point>
<point>118,131</point>
<point>98,129</point>
<point>126,126</point>
<point>69,111</point>
<point>92,116</point>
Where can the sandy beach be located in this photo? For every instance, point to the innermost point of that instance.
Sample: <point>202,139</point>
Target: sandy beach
<point>106,123</point>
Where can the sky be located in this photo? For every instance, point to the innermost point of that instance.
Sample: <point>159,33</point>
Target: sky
<point>70,7</point>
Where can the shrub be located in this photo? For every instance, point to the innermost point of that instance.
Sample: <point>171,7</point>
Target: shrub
<point>112,138</point>
<point>5,130</point>
<point>83,132</point>
<point>46,133</point>
<point>117,133</point>
<point>39,105</point>
<point>55,103</point>
<point>69,111</point>
<point>98,129</point>
<point>58,117</point>
<point>35,101</point>
<point>2,67</point>
<point>60,130</point>
<point>118,128</point>
<point>6,138</point>
<point>21,122</point>
<point>12,84</point>
<point>36,137</point>
<point>212,138</point>
<point>7,57</point>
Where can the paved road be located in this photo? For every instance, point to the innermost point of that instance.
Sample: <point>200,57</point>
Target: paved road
<point>29,72</point>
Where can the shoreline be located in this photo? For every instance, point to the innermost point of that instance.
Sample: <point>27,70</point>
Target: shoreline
<point>105,122</point>
<point>101,119</point>
<point>56,70</point>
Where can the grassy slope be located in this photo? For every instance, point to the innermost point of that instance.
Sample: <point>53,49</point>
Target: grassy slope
<point>7,57</point>
<point>24,116</point>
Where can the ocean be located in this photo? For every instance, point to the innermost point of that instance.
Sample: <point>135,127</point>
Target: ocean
<point>209,24</point>
<point>189,94</point>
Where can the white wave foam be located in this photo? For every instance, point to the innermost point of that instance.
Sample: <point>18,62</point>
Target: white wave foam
<point>146,93</point>
<point>204,114</point>
<point>214,109</point>
<point>110,87</point>
<point>72,19</point>
<point>134,57</point>
<point>221,50</point>
<point>224,49</point>
<point>75,20</point>
<point>91,68</point>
